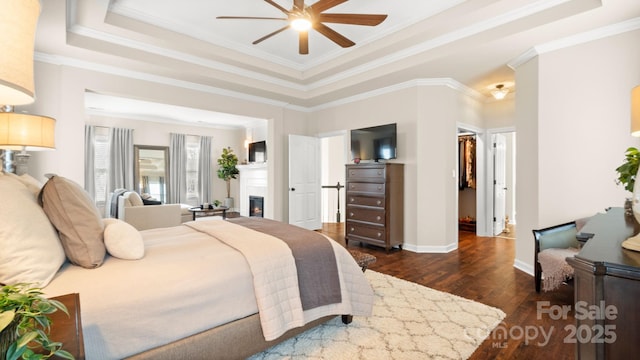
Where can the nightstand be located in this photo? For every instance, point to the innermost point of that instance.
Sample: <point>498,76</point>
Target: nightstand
<point>68,329</point>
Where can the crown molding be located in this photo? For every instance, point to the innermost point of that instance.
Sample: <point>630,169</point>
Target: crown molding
<point>112,70</point>
<point>379,63</point>
<point>447,82</point>
<point>181,56</point>
<point>566,42</point>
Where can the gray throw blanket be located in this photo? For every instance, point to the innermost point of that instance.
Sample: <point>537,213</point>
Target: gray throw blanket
<point>316,266</point>
<point>114,201</point>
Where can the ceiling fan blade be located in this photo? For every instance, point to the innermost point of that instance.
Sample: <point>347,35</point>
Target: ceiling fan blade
<point>353,19</point>
<point>333,35</point>
<point>285,11</point>
<point>298,4</point>
<point>323,5</point>
<point>250,17</point>
<point>303,42</point>
<point>270,35</point>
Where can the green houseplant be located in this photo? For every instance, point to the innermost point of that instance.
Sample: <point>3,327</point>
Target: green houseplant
<point>24,323</point>
<point>628,170</point>
<point>627,175</point>
<point>227,170</point>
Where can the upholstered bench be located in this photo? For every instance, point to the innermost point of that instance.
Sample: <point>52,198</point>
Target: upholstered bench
<point>363,259</point>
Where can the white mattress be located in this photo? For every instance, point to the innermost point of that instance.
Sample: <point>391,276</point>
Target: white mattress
<point>187,282</point>
<point>173,292</point>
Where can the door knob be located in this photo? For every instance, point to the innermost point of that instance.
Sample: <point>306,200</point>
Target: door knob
<point>293,189</point>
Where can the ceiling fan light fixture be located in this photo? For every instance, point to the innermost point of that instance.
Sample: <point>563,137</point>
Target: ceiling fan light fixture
<point>499,92</point>
<point>301,24</point>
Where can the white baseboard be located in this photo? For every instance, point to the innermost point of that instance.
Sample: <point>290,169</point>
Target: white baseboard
<point>430,249</point>
<point>524,267</point>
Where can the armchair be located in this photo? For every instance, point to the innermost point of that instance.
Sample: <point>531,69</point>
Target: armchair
<point>553,245</point>
<point>132,210</point>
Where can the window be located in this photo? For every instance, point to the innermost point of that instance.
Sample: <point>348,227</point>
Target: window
<point>193,159</point>
<point>101,165</point>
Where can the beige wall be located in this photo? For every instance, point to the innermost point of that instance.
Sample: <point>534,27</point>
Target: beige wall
<point>60,94</point>
<point>499,114</point>
<point>158,134</point>
<point>571,115</point>
<point>426,118</point>
<point>572,119</point>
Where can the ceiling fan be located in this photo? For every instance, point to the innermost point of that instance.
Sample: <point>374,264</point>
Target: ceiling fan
<point>302,18</point>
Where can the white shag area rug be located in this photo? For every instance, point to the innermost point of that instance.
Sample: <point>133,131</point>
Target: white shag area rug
<point>409,321</point>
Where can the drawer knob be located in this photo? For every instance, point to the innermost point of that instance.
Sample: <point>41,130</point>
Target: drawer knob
<point>351,214</point>
<point>352,200</point>
<point>379,187</point>
<point>378,218</point>
<point>353,186</point>
<point>351,230</point>
<point>379,172</point>
<point>379,234</point>
<point>379,202</point>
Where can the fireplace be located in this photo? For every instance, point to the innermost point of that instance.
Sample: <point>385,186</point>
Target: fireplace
<point>256,206</point>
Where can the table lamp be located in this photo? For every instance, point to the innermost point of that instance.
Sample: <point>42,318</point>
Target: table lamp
<point>25,132</point>
<point>18,21</point>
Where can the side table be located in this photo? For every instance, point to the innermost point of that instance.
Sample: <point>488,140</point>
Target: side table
<point>198,212</point>
<point>68,329</point>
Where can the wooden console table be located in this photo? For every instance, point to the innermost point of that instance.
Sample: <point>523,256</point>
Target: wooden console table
<point>607,276</point>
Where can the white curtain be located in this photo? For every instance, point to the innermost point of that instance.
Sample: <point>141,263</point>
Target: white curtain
<point>89,160</point>
<point>177,169</point>
<point>121,159</point>
<point>205,170</point>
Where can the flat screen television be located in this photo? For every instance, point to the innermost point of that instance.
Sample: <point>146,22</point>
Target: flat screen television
<point>374,143</point>
<point>258,151</point>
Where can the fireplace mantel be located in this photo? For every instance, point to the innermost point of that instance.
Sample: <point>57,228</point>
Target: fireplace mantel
<point>253,181</point>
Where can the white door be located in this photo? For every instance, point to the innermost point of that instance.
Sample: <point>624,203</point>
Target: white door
<point>304,182</point>
<point>499,182</point>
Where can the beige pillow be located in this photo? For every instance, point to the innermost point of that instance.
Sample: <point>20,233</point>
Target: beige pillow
<point>30,251</point>
<point>75,216</point>
<point>132,198</point>
<point>122,240</point>
<point>27,180</point>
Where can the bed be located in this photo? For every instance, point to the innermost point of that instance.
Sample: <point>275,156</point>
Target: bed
<point>180,292</point>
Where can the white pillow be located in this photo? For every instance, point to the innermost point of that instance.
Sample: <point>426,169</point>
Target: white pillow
<point>30,250</point>
<point>123,240</point>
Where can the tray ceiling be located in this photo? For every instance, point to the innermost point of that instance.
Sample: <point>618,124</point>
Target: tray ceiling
<point>465,43</point>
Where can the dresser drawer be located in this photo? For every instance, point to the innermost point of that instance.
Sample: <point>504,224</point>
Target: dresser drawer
<point>365,187</point>
<point>366,173</point>
<point>375,216</point>
<point>357,231</point>
<point>365,200</point>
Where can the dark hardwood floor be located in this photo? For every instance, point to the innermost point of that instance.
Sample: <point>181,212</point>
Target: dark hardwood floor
<point>482,270</point>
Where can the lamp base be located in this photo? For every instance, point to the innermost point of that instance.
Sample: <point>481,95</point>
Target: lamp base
<point>7,161</point>
<point>632,243</point>
<point>22,163</point>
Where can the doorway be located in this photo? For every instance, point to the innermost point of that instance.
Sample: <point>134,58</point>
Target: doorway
<point>333,150</point>
<point>486,205</point>
<point>469,211</point>
<point>503,170</point>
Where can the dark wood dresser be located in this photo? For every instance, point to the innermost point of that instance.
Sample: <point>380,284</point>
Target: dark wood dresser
<point>375,204</point>
<point>607,277</point>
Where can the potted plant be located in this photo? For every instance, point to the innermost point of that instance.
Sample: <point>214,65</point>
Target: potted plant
<point>227,171</point>
<point>24,323</point>
<point>627,174</point>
